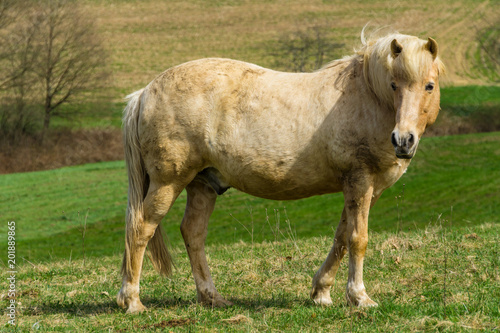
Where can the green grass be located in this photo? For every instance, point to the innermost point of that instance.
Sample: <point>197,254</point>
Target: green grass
<point>89,115</point>
<point>451,97</point>
<point>487,54</point>
<point>466,109</point>
<point>50,208</point>
<point>269,285</point>
<point>480,104</point>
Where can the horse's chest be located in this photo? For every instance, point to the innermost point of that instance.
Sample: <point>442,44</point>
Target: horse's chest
<point>391,175</point>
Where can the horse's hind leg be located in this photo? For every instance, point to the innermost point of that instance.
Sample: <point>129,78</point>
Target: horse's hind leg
<point>200,205</point>
<point>157,202</point>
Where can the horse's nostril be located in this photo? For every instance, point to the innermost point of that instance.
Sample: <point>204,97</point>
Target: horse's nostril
<point>393,139</point>
<point>411,139</point>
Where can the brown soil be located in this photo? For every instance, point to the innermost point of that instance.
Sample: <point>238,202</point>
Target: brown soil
<point>61,148</point>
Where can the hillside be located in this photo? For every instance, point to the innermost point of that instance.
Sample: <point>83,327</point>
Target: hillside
<point>53,208</point>
<point>433,255</point>
<point>144,38</point>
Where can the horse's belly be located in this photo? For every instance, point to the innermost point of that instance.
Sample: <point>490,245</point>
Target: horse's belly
<point>276,193</point>
<point>281,183</point>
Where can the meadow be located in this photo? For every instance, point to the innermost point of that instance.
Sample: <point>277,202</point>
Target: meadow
<point>52,208</point>
<point>436,279</point>
<point>433,255</point>
<point>147,38</point>
<point>432,262</point>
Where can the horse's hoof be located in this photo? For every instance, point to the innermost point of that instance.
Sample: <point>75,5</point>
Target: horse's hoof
<point>136,308</point>
<point>216,301</point>
<point>321,297</point>
<point>368,303</point>
<point>132,305</point>
<point>221,303</point>
<point>362,300</point>
<point>322,300</point>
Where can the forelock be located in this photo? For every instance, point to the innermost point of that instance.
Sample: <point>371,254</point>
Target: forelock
<point>414,62</point>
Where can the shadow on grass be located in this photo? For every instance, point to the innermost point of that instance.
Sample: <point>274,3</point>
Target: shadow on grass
<point>285,302</point>
<point>97,307</point>
<point>74,308</point>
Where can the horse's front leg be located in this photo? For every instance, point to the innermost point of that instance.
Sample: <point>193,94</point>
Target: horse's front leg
<point>352,235</point>
<point>357,202</point>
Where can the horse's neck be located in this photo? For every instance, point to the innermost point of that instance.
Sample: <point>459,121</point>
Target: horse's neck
<point>346,85</point>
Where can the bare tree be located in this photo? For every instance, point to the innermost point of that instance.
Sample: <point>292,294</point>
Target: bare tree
<point>70,57</point>
<point>305,49</point>
<point>17,86</point>
<point>6,12</point>
<point>489,49</point>
<point>50,52</point>
<point>16,43</point>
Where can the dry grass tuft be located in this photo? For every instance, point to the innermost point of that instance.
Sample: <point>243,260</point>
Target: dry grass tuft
<point>238,319</point>
<point>400,243</point>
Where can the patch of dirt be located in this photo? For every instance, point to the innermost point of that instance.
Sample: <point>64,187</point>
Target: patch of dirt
<point>61,148</point>
<point>171,323</point>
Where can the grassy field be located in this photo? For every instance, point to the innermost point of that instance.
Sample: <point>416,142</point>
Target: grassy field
<point>468,109</point>
<point>144,39</point>
<point>433,258</point>
<point>437,279</point>
<point>52,208</point>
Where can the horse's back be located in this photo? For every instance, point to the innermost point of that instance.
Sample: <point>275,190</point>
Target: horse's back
<point>250,123</point>
<point>196,88</point>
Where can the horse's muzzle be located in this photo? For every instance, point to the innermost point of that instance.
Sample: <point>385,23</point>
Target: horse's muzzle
<point>404,156</point>
<point>404,145</point>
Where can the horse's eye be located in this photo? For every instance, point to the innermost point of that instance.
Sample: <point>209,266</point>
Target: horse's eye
<point>393,86</point>
<point>429,86</point>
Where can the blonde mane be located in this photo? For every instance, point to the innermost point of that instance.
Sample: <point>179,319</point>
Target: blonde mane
<point>380,67</point>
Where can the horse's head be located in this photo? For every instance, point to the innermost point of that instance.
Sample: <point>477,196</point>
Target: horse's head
<point>403,71</point>
<point>416,93</point>
<point>415,86</point>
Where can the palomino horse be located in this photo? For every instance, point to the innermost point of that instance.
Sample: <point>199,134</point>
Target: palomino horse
<point>211,124</point>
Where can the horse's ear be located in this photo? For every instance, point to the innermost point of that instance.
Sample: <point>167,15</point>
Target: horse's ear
<point>396,48</point>
<point>432,46</point>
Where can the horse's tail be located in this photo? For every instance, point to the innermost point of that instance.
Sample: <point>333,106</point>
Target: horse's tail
<point>138,181</point>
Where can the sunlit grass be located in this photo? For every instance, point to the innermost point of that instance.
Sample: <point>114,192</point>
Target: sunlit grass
<point>269,285</point>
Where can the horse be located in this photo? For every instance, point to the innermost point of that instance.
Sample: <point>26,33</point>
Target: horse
<point>352,126</point>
